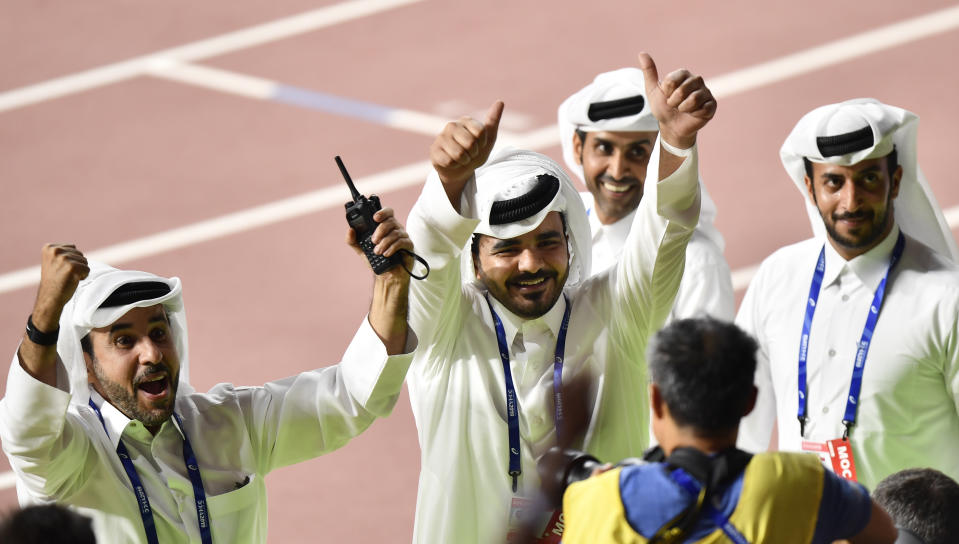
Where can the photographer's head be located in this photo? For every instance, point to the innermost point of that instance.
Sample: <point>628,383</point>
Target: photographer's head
<point>701,371</point>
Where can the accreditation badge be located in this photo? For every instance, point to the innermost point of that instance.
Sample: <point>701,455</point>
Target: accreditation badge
<point>842,459</point>
<point>527,516</point>
<point>836,455</point>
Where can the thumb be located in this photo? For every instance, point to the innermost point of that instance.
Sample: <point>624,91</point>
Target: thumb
<point>494,114</point>
<point>650,74</point>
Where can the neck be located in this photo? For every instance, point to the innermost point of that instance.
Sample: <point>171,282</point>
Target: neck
<point>689,438</point>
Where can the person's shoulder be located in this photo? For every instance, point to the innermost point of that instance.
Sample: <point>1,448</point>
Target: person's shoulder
<point>924,259</point>
<point>785,259</point>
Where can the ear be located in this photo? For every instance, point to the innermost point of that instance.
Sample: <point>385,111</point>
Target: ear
<point>896,178</point>
<point>656,401</point>
<point>578,148</point>
<point>752,401</point>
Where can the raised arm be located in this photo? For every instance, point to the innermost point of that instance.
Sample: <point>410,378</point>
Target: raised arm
<point>682,104</point>
<point>61,269</point>
<point>462,147</point>
<point>390,305</point>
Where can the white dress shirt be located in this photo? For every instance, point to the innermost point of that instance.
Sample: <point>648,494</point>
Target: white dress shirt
<point>456,381</point>
<point>908,414</point>
<point>706,287</point>
<point>60,452</point>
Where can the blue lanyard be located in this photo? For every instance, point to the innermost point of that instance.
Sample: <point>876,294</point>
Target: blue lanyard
<point>691,486</point>
<point>852,400</point>
<point>193,470</point>
<point>512,407</point>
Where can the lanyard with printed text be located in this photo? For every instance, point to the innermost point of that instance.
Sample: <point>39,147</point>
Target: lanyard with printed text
<point>193,470</point>
<point>852,400</point>
<point>512,408</point>
<point>691,486</point>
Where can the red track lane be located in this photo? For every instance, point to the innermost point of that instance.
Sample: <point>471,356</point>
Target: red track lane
<point>145,155</point>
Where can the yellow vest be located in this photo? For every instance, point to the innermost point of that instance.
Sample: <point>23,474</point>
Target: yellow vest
<point>779,503</point>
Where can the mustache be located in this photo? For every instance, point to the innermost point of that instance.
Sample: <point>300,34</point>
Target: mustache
<point>606,178</point>
<point>864,214</point>
<point>151,371</point>
<point>530,277</point>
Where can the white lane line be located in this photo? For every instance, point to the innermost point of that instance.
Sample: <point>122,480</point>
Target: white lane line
<point>835,52</point>
<point>236,222</point>
<point>536,139</point>
<point>264,89</point>
<point>203,49</point>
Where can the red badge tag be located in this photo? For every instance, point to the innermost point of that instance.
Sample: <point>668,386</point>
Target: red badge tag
<point>525,517</point>
<point>843,461</point>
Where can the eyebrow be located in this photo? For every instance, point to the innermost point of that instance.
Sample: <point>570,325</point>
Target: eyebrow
<point>512,242</point>
<point>120,326</point>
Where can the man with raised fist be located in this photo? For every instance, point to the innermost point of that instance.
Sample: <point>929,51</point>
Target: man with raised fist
<point>510,314</point>
<point>99,414</point>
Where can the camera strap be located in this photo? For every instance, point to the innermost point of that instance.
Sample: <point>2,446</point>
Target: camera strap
<point>512,403</point>
<point>855,384</point>
<point>143,501</point>
<point>699,475</point>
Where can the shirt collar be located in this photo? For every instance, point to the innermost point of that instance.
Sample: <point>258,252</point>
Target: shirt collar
<point>870,267</point>
<point>116,422</point>
<point>512,323</point>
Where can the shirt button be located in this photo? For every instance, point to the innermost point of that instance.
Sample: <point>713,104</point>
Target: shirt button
<point>825,409</point>
<point>538,420</point>
<point>832,353</point>
<point>845,298</point>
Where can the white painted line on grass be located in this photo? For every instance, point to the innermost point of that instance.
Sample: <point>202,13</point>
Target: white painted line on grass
<point>200,50</point>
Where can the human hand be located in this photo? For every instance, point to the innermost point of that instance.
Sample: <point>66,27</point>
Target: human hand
<point>681,103</point>
<point>388,239</point>
<point>464,145</point>
<point>62,267</point>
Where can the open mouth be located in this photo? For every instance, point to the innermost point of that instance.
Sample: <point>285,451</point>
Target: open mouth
<point>156,386</point>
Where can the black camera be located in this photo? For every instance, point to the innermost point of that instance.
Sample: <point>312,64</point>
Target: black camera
<point>558,468</point>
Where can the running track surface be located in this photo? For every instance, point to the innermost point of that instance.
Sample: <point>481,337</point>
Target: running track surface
<point>155,134</point>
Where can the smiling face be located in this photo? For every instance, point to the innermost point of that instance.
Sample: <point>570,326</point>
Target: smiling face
<point>614,168</point>
<point>135,365</point>
<point>855,203</point>
<point>527,273</point>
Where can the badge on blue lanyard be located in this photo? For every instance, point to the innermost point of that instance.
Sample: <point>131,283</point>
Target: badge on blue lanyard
<point>193,471</point>
<point>512,404</point>
<point>852,400</point>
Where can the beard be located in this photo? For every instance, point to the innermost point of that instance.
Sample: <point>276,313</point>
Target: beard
<point>120,396</point>
<point>531,305</point>
<point>870,233</point>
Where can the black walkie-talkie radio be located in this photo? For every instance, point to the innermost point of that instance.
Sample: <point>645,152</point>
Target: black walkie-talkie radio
<point>359,215</point>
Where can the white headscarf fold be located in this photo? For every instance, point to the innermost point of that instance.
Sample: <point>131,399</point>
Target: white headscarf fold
<point>506,172</point>
<point>82,313</point>
<point>574,114</point>
<point>916,210</point>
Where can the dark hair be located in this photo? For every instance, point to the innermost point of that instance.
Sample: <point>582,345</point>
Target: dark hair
<point>704,370</point>
<point>86,345</point>
<point>48,523</point>
<point>923,501</point>
<point>892,162</point>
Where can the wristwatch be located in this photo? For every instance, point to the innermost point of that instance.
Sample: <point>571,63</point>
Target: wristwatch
<point>39,337</point>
